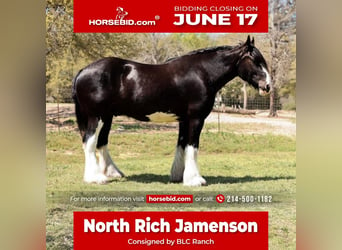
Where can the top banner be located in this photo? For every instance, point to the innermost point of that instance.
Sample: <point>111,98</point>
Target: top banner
<point>102,16</point>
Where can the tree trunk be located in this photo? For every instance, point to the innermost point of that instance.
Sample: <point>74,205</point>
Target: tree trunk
<point>273,107</point>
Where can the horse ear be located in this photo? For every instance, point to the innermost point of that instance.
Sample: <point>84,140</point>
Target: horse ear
<point>250,43</point>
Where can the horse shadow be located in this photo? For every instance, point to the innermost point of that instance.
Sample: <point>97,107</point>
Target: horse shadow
<point>151,178</point>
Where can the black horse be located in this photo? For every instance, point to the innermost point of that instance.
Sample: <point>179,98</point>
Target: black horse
<point>182,89</point>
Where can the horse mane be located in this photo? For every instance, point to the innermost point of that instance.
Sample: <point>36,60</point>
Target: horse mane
<point>209,50</point>
<point>204,51</point>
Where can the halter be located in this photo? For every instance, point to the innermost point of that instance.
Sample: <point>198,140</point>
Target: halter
<point>243,57</point>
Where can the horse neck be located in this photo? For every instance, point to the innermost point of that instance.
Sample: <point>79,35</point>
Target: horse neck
<point>223,69</point>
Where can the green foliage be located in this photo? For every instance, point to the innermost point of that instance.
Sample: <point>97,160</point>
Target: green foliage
<point>68,52</point>
<point>190,41</point>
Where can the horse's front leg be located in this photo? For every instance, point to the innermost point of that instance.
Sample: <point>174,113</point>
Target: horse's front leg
<point>191,176</point>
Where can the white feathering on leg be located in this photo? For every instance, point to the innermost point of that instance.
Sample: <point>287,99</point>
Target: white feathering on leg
<point>191,175</point>
<point>107,165</point>
<point>92,171</point>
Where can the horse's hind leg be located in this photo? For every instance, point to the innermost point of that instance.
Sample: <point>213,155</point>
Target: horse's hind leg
<point>178,166</point>
<point>106,163</point>
<point>92,172</point>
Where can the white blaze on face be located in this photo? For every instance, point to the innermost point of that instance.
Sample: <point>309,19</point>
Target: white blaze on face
<point>268,82</point>
<point>268,77</point>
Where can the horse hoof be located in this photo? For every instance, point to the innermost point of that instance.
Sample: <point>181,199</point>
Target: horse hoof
<point>176,178</point>
<point>115,175</point>
<point>98,179</point>
<point>113,172</point>
<point>196,181</point>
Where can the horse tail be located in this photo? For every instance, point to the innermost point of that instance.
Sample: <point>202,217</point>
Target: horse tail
<point>80,117</point>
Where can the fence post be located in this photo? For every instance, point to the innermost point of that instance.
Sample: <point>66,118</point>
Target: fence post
<point>244,90</point>
<point>58,118</point>
<point>218,121</point>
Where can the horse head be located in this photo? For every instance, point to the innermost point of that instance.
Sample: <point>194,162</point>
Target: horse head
<point>252,67</point>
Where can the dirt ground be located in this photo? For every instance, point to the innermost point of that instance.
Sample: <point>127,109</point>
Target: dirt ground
<point>284,124</point>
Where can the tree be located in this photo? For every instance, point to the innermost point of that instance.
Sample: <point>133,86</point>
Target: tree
<point>157,48</point>
<point>59,15</point>
<point>154,48</point>
<point>68,52</point>
<point>282,30</point>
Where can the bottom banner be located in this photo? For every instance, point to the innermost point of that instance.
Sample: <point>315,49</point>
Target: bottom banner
<point>165,230</point>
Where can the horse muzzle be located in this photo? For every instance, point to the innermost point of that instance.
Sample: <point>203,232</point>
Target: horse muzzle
<point>265,89</point>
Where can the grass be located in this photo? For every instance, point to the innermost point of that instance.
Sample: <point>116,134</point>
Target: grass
<point>231,163</point>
